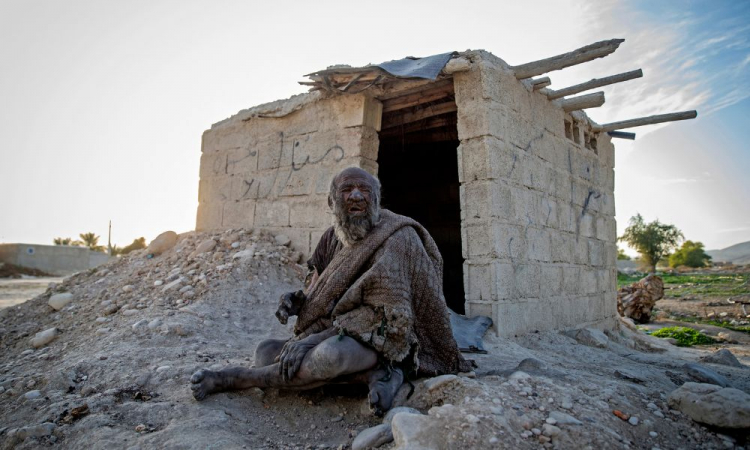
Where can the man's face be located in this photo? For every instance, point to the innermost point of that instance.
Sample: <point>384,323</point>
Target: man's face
<point>355,194</point>
<point>354,198</point>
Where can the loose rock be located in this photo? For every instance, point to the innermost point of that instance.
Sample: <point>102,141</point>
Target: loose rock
<point>723,357</point>
<point>162,243</point>
<point>44,337</point>
<point>373,437</point>
<point>59,301</point>
<point>712,405</point>
<point>705,375</point>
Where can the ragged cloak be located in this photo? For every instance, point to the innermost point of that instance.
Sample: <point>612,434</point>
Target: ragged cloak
<point>386,291</point>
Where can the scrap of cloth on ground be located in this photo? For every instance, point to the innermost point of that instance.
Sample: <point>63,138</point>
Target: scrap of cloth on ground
<point>387,292</point>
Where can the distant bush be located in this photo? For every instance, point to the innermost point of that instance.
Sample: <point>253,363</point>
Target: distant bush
<point>685,337</point>
<point>691,254</point>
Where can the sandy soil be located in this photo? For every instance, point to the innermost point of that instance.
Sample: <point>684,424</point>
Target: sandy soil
<point>14,291</point>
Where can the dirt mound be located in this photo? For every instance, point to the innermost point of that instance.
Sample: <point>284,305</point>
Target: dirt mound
<point>116,373</point>
<point>8,270</point>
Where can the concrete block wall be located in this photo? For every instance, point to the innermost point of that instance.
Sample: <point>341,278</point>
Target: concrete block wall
<point>537,207</point>
<point>53,259</point>
<point>274,173</point>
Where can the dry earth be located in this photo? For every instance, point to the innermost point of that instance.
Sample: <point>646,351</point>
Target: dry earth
<point>116,375</point>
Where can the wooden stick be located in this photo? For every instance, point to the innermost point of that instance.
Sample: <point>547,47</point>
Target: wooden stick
<point>540,83</point>
<point>582,102</point>
<point>424,96</point>
<point>622,135</point>
<point>583,54</point>
<point>684,115</point>
<point>595,83</point>
<point>430,111</point>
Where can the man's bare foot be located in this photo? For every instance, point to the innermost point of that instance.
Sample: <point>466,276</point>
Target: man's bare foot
<point>205,382</point>
<point>383,389</point>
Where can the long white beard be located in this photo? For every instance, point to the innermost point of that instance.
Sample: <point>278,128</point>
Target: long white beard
<point>350,230</point>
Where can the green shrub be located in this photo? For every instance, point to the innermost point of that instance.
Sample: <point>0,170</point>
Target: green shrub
<point>686,337</point>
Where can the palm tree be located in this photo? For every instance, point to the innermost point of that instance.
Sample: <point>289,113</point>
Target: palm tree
<point>91,241</point>
<point>62,241</point>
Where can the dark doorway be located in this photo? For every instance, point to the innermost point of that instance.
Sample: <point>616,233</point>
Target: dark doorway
<point>418,170</point>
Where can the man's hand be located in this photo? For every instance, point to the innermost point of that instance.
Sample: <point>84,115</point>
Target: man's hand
<point>293,352</point>
<point>289,305</point>
<point>291,356</point>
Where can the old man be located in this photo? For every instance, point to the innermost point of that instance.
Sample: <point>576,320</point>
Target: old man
<point>374,312</point>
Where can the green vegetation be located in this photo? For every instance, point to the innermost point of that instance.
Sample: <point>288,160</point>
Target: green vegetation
<point>622,256</point>
<point>686,337</point>
<point>691,254</point>
<point>716,323</point>
<point>653,240</point>
<point>91,241</point>
<point>135,245</point>
<point>694,285</point>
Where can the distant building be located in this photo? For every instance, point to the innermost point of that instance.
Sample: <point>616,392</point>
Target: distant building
<point>53,259</point>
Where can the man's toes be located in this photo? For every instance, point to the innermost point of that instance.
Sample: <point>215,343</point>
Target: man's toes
<point>373,397</point>
<point>198,393</point>
<point>198,376</point>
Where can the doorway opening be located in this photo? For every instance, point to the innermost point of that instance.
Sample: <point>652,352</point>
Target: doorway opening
<point>418,171</point>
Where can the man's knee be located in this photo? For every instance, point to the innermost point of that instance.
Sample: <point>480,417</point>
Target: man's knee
<point>267,351</point>
<point>338,356</point>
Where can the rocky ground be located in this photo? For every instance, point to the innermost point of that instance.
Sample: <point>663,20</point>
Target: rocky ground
<point>107,366</point>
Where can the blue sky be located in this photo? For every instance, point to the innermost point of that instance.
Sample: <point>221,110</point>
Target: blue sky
<point>104,102</point>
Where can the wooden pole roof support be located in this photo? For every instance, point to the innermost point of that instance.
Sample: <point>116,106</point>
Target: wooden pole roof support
<point>650,120</point>
<point>582,55</point>
<point>622,135</point>
<point>540,83</point>
<point>595,83</point>
<point>582,102</point>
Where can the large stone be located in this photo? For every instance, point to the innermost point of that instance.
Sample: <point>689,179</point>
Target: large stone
<point>416,431</point>
<point>399,409</point>
<point>44,337</point>
<point>433,383</point>
<point>205,246</point>
<point>373,437</point>
<point>162,243</point>
<point>712,405</point>
<point>723,357</point>
<point>41,430</point>
<point>590,337</point>
<point>705,375</point>
<point>59,301</point>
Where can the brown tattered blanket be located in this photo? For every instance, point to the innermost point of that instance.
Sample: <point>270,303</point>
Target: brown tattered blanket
<point>387,292</point>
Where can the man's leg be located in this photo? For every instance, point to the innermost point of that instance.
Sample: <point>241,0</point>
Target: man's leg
<point>332,358</point>
<point>267,351</point>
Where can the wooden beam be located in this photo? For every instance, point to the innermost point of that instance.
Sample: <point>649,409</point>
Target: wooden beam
<point>540,83</point>
<point>582,102</point>
<point>582,55</point>
<point>430,94</point>
<point>622,135</point>
<point>650,120</point>
<point>399,88</point>
<point>427,124</point>
<point>595,83</point>
<point>395,120</point>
